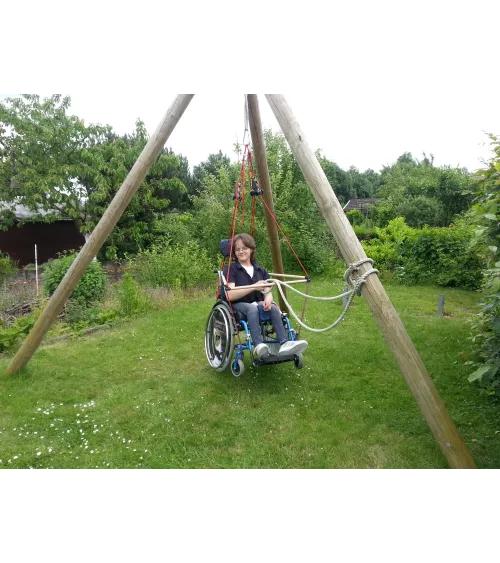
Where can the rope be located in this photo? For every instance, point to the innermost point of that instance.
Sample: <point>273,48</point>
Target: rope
<point>271,214</point>
<point>302,324</point>
<point>303,314</point>
<point>356,290</point>
<point>354,268</point>
<point>247,120</point>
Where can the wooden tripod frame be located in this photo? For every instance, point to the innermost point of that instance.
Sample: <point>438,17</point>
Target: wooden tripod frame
<point>396,337</point>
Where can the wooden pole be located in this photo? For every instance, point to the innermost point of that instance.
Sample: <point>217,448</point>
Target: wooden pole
<point>107,223</point>
<point>407,357</point>
<point>259,149</point>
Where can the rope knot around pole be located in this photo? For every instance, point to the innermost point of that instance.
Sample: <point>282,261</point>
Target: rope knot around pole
<point>357,283</point>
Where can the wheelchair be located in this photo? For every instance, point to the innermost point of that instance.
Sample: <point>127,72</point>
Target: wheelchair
<point>225,327</point>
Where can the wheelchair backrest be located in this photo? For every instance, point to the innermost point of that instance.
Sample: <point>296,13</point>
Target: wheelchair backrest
<point>225,247</point>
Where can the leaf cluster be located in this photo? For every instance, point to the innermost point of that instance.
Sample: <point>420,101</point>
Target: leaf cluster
<point>486,325</point>
<point>90,288</point>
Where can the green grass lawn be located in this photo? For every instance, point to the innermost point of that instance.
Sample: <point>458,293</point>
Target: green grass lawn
<point>143,395</point>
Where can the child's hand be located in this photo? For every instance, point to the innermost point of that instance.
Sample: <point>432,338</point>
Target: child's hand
<point>268,302</point>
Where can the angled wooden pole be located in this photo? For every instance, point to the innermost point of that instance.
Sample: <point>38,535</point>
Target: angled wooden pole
<point>259,149</point>
<point>407,357</point>
<point>107,223</point>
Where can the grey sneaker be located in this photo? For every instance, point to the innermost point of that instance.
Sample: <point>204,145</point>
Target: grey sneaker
<point>262,350</point>
<point>293,347</point>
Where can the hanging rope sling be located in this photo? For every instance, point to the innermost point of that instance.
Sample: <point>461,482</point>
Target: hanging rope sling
<point>247,174</point>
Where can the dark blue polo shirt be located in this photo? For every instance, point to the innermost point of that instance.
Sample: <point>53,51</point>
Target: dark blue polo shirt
<point>239,276</point>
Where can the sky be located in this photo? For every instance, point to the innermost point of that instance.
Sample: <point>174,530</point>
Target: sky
<point>367,81</point>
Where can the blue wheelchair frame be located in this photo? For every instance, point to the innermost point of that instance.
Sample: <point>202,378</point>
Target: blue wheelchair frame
<point>265,318</point>
<point>264,321</point>
<point>223,321</point>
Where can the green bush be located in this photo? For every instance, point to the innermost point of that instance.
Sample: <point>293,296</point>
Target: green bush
<point>382,213</point>
<point>355,217</point>
<point>486,334</point>
<point>364,232</point>
<point>82,315</point>
<point>385,250</point>
<point>486,328</point>
<point>179,266</point>
<point>11,337</point>
<point>444,256</point>
<point>173,228</point>
<point>7,267</point>
<point>421,210</point>
<point>131,300</point>
<point>90,288</point>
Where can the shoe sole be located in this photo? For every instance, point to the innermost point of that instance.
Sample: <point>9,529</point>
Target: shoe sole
<point>294,351</point>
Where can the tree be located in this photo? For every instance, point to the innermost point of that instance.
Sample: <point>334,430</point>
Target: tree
<point>212,166</point>
<point>340,181</point>
<point>364,184</point>
<point>486,328</point>
<point>421,210</point>
<point>41,150</point>
<point>58,167</point>
<point>295,208</point>
<point>407,181</point>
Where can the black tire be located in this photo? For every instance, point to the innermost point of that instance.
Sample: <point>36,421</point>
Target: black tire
<point>239,369</point>
<point>219,336</point>
<point>299,361</point>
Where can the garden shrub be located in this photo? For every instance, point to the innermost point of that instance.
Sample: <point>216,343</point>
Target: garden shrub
<point>178,266</point>
<point>90,288</point>
<point>444,256</point>
<point>314,252</point>
<point>11,337</point>
<point>355,217</point>
<point>441,255</point>
<point>385,250</point>
<point>486,327</point>
<point>7,267</point>
<point>382,213</point>
<point>486,334</point>
<point>83,316</point>
<point>173,228</point>
<point>421,210</point>
<point>131,300</point>
<point>364,232</point>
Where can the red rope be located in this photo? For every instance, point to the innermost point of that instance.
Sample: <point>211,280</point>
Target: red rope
<point>233,231</point>
<point>303,314</point>
<point>252,220</point>
<point>285,237</point>
<point>242,181</point>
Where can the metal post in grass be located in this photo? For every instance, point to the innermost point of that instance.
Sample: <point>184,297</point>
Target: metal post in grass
<point>103,229</point>
<point>441,305</point>
<point>259,149</point>
<point>405,353</point>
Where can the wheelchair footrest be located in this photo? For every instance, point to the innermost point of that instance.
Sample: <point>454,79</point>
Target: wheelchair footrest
<point>269,360</point>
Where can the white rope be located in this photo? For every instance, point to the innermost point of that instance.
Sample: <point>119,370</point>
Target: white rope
<point>288,286</point>
<point>356,289</point>
<point>247,121</point>
<point>302,324</point>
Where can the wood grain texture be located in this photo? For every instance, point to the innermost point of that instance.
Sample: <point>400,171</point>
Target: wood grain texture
<point>259,149</point>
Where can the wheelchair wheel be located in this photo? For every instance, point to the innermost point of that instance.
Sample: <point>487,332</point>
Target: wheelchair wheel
<point>219,336</point>
<point>299,361</point>
<point>237,368</point>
